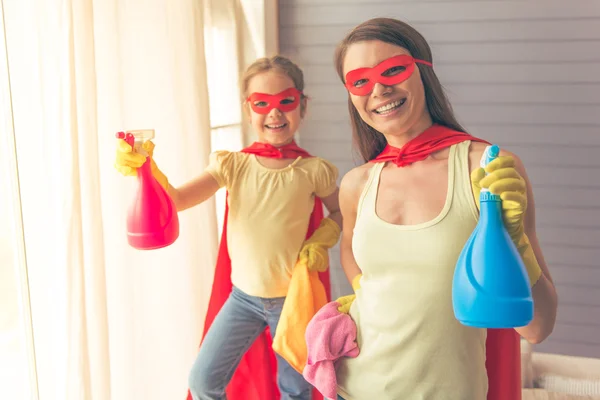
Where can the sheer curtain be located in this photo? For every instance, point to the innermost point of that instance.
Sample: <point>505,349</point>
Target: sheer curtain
<point>111,322</point>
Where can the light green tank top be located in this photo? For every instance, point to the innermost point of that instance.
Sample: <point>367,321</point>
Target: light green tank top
<point>411,346</point>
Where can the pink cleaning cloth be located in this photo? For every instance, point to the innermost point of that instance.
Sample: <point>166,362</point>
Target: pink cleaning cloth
<point>330,335</point>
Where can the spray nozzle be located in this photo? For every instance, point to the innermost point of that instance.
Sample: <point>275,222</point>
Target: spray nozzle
<point>490,153</point>
<point>135,138</point>
<point>142,135</point>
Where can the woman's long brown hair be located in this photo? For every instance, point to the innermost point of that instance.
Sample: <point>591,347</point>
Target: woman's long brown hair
<point>369,141</point>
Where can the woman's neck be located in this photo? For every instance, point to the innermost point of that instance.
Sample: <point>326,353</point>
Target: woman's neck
<point>401,138</point>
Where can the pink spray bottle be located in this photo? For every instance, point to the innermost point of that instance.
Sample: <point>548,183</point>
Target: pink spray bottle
<point>152,220</point>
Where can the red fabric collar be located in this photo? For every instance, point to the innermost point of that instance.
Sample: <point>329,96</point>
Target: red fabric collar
<point>290,150</point>
<point>434,138</point>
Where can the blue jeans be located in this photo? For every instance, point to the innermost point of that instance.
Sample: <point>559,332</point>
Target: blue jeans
<point>234,329</point>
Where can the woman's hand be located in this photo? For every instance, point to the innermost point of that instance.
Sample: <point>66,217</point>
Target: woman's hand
<point>504,180</point>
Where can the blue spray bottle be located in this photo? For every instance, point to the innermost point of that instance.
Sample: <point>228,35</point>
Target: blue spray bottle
<point>491,288</point>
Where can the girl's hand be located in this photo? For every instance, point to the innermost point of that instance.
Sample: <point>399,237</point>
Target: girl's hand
<point>128,161</point>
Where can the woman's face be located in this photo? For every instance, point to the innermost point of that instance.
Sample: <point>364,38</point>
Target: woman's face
<point>397,110</point>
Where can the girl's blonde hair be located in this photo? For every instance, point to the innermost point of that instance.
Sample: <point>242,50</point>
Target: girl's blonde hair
<point>279,63</point>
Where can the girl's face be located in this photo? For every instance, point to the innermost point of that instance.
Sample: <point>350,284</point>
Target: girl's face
<point>274,107</point>
<point>385,87</point>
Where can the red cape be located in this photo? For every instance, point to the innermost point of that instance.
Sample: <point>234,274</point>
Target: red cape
<point>256,376</point>
<point>503,346</point>
<point>503,363</point>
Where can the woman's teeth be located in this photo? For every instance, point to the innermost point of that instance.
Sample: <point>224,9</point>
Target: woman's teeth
<point>389,107</point>
<point>276,126</point>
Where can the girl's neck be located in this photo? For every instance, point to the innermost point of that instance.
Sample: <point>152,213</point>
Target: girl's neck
<point>276,144</point>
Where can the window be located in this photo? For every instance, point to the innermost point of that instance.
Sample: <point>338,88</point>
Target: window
<point>223,69</point>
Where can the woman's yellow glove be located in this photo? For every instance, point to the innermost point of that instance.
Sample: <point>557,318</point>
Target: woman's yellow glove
<point>504,180</point>
<point>128,161</point>
<point>346,301</point>
<point>315,251</point>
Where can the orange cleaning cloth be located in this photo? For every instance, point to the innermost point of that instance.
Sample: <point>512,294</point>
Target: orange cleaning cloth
<point>306,295</point>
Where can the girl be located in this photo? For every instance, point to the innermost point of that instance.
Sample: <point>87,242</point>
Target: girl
<point>273,187</point>
<point>408,212</point>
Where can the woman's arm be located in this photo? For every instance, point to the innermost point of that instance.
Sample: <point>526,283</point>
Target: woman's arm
<point>545,298</point>
<point>544,293</point>
<point>350,189</point>
<point>194,192</point>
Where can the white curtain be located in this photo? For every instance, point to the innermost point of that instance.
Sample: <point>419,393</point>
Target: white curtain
<point>111,322</point>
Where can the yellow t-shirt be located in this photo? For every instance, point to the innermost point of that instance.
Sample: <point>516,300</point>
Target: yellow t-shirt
<point>269,212</point>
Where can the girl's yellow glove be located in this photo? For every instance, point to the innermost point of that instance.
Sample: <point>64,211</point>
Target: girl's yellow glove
<point>504,180</point>
<point>128,161</point>
<point>315,251</point>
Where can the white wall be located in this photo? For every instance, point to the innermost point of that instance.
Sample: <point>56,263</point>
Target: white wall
<point>524,74</point>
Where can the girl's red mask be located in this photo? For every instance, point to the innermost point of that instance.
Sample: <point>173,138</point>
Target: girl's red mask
<point>285,101</point>
<point>361,81</point>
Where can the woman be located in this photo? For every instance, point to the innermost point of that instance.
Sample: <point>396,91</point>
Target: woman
<point>408,212</point>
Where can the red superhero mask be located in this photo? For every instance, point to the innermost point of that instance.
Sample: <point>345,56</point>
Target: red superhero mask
<point>285,101</point>
<point>392,71</point>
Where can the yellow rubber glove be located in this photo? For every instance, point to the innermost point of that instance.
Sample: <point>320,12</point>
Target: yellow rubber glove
<point>315,251</point>
<point>128,161</point>
<point>346,301</point>
<point>504,180</point>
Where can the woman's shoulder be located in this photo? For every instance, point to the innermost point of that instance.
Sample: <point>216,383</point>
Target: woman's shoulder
<point>476,150</point>
<point>353,182</point>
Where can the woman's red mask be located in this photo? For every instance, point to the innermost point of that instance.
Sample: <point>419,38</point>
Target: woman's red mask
<point>392,71</point>
<point>285,101</point>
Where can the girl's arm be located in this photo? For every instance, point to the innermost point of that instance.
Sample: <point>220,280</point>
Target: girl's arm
<point>332,204</point>
<point>194,192</point>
